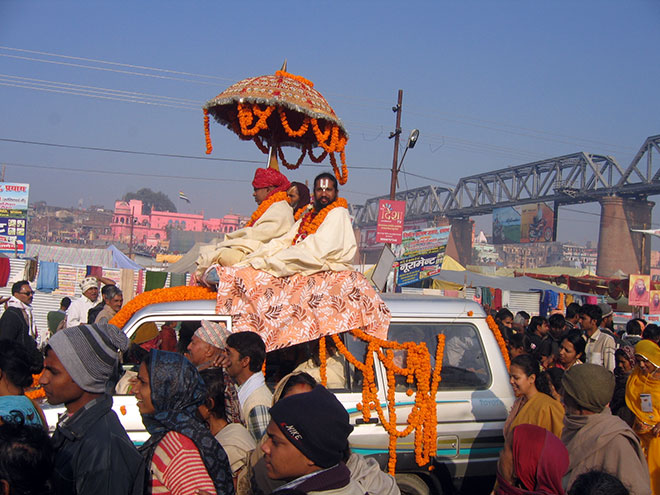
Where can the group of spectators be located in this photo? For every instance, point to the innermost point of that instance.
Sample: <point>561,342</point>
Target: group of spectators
<point>587,409</point>
<point>214,425</point>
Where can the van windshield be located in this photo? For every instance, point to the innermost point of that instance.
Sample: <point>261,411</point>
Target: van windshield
<point>464,360</point>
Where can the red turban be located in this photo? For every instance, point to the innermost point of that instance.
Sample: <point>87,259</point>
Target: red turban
<point>269,177</point>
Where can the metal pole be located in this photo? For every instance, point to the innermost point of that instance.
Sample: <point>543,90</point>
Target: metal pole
<point>395,135</point>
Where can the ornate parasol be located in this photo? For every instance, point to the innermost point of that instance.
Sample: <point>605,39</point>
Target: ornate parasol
<point>281,110</point>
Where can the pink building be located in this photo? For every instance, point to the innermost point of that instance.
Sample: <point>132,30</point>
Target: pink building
<point>152,229</point>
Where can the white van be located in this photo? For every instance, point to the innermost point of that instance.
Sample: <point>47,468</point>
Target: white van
<point>473,397</point>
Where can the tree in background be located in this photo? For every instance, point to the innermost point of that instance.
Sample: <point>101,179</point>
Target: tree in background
<point>151,200</point>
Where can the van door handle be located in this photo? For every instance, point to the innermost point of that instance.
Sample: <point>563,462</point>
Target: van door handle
<point>361,421</point>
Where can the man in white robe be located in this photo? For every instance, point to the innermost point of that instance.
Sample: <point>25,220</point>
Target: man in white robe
<point>331,247</point>
<point>271,224</point>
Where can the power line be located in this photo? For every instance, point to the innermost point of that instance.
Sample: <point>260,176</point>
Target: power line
<point>477,122</point>
<point>138,174</point>
<point>165,155</point>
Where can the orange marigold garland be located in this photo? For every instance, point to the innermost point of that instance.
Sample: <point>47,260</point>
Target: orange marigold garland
<point>168,294</point>
<point>207,132</point>
<point>324,361</point>
<point>34,391</point>
<point>492,324</point>
<point>301,211</point>
<point>246,115</point>
<point>312,220</point>
<point>288,165</point>
<point>285,124</point>
<point>423,416</point>
<point>265,204</point>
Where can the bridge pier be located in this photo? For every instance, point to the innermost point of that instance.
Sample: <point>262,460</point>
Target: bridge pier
<point>459,245</point>
<point>618,248</point>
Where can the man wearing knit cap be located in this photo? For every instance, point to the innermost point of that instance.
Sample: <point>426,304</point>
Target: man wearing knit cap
<point>207,344</point>
<point>595,439</point>
<point>93,454</point>
<point>271,220</point>
<point>307,443</point>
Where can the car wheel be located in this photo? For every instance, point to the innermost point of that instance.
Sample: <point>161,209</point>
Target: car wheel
<point>411,484</point>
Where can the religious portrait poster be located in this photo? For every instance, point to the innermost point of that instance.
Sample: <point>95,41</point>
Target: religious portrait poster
<point>654,302</point>
<point>639,290</point>
<point>390,221</point>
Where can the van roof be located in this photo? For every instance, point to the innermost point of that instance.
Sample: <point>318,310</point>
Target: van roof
<point>399,304</point>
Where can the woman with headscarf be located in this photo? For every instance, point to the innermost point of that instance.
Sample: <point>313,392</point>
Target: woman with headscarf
<point>182,456</point>
<point>533,461</point>
<point>643,400</point>
<point>624,357</point>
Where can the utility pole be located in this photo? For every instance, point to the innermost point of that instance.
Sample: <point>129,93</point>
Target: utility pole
<point>395,135</point>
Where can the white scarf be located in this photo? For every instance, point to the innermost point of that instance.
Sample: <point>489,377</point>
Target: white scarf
<point>27,309</point>
<point>250,385</point>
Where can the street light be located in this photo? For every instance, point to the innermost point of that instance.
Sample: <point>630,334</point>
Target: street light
<point>396,168</point>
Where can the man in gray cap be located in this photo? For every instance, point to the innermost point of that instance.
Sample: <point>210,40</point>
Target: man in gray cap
<point>595,439</point>
<point>93,454</point>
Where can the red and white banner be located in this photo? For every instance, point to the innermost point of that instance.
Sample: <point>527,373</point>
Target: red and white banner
<point>390,221</point>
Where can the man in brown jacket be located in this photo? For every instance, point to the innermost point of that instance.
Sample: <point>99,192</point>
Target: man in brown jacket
<point>593,437</point>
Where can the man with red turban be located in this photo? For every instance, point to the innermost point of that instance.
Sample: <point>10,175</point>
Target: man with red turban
<point>272,219</point>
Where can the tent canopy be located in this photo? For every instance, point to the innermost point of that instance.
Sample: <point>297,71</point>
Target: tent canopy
<point>109,258</point>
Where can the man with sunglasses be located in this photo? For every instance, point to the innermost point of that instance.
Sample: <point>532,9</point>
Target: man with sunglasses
<point>17,322</point>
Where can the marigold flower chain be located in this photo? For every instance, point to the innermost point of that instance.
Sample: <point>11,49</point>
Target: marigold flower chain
<point>168,294</point>
<point>324,361</point>
<point>301,211</point>
<point>246,115</point>
<point>288,165</point>
<point>492,324</point>
<point>312,220</point>
<point>264,205</point>
<point>423,415</point>
<point>285,124</point>
<point>207,133</point>
<point>35,391</point>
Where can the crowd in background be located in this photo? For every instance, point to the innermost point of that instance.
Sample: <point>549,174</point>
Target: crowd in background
<point>587,413</point>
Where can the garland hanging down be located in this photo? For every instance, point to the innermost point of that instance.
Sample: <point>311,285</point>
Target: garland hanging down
<point>494,327</point>
<point>283,109</point>
<point>312,219</point>
<point>265,204</point>
<point>422,419</point>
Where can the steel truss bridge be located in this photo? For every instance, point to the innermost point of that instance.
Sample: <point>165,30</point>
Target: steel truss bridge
<point>570,179</point>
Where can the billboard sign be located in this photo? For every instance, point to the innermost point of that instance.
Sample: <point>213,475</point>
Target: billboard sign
<point>13,216</point>
<point>523,224</point>
<point>390,221</point>
<point>421,254</point>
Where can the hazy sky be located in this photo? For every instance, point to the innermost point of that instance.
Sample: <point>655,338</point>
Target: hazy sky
<point>490,84</point>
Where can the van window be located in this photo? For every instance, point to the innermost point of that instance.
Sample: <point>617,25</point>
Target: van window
<point>464,363</point>
<point>341,375</point>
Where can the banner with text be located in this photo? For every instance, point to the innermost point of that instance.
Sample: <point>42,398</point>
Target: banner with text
<point>13,216</point>
<point>390,221</point>
<point>421,254</point>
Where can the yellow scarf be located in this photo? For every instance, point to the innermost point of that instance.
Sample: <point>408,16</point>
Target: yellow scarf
<point>639,383</point>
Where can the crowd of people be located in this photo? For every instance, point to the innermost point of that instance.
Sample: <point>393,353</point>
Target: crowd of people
<point>586,418</point>
<point>587,413</point>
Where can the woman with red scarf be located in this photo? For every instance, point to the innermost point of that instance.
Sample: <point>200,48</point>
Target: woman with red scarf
<point>533,462</point>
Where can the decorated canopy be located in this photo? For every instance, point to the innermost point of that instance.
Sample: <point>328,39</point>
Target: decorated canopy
<point>281,110</point>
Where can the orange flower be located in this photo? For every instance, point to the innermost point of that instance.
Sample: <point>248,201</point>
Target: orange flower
<point>265,204</point>
<point>422,419</point>
<point>207,132</point>
<point>312,220</point>
<point>246,115</point>
<point>169,294</point>
<point>492,324</point>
